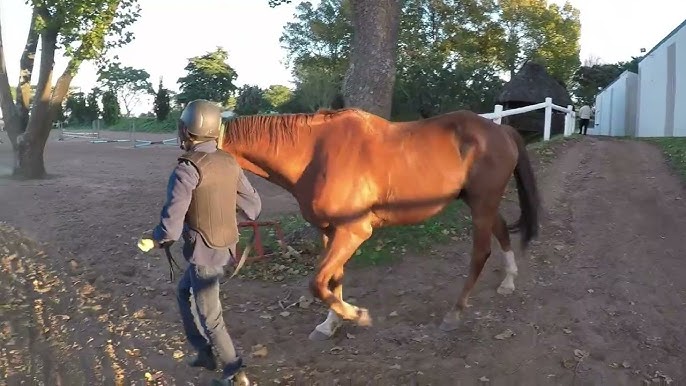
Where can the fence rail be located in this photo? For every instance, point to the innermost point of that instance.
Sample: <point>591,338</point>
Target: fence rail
<point>144,142</point>
<point>66,134</point>
<point>497,115</point>
<point>570,115</point>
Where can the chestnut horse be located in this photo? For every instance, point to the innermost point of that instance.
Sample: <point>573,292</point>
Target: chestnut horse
<point>351,171</point>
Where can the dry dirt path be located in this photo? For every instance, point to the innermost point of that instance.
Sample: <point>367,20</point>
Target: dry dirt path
<point>605,279</point>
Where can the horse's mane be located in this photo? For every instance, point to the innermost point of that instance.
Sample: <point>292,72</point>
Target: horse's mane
<point>275,129</point>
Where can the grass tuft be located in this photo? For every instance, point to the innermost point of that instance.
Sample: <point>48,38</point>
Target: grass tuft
<point>674,149</point>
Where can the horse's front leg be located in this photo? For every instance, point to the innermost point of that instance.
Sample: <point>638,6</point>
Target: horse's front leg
<point>327,284</point>
<point>333,322</point>
<point>328,327</point>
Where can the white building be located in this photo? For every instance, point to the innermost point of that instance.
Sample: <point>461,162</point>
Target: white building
<point>615,108</point>
<point>652,103</point>
<point>662,87</point>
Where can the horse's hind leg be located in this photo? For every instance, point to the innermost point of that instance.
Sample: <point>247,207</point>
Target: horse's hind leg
<point>484,212</point>
<point>503,236</point>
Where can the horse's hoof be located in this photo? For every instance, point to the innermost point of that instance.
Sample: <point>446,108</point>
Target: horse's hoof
<point>363,317</point>
<point>505,290</point>
<point>319,336</point>
<point>449,326</point>
<point>451,322</point>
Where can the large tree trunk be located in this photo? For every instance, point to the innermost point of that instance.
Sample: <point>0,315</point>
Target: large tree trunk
<point>29,162</point>
<point>370,78</point>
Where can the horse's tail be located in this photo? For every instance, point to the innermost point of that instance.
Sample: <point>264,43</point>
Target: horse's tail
<point>527,191</point>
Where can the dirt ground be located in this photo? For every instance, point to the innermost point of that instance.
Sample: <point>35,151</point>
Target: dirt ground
<point>599,298</point>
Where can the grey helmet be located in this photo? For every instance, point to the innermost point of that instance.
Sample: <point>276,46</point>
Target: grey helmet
<point>201,118</point>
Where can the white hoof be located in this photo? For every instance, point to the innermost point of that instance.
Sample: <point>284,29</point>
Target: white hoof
<point>319,336</point>
<point>327,328</point>
<point>506,289</point>
<point>451,321</point>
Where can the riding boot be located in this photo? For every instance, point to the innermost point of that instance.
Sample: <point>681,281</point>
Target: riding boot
<point>238,379</point>
<point>205,358</point>
<point>233,375</point>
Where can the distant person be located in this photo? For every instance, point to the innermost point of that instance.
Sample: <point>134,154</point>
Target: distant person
<point>584,118</point>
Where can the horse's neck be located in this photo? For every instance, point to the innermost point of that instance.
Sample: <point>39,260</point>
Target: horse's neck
<point>283,167</point>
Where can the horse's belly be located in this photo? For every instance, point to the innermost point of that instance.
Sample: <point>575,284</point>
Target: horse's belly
<point>400,214</point>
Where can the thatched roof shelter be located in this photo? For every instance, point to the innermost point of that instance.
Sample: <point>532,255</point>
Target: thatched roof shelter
<point>532,84</point>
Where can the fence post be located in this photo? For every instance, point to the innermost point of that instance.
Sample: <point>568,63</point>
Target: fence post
<point>568,121</point>
<point>498,110</point>
<point>548,118</point>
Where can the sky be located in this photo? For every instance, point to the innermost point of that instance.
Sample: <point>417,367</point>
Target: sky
<point>169,32</point>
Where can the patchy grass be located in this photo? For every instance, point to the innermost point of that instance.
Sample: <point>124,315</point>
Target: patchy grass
<point>385,245</point>
<point>545,150</point>
<point>279,264</point>
<point>674,149</point>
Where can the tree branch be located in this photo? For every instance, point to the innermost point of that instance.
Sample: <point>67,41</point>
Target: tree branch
<point>9,111</point>
<point>62,86</point>
<point>26,70</point>
<point>93,38</point>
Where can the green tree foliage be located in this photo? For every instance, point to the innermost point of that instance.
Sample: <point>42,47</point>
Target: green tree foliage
<point>92,107</point>
<point>162,105</point>
<point>536,30</point>
<point>370,74</point>
<point>208,77</point>
<point>277,96</point>
<point>318,46</point>
<point>82,30</point>
<point>128,83</point>
<point>447,55</point>
<point>76,109</point>
<point>82,109</point>
<point>451,53</point>
<point>316,87</point>
<point>110,108</point>
<point>250,101</point>
<point>589,79</point>
<point>231,103</point>
<point>446,60</point>
<point>631,65</point>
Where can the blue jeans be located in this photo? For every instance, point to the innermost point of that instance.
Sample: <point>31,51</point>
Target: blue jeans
<point>205,284</point>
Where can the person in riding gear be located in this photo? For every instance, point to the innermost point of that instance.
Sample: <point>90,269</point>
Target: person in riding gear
<point>204,191</point>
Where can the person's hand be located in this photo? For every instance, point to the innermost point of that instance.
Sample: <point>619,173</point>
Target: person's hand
<point>146,243</point>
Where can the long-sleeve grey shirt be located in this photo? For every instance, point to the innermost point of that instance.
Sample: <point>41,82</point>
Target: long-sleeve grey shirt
<point>182,181</point>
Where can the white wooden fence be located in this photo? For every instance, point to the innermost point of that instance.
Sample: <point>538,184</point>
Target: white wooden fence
<point>570,115</point>
<point>65,134</point>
